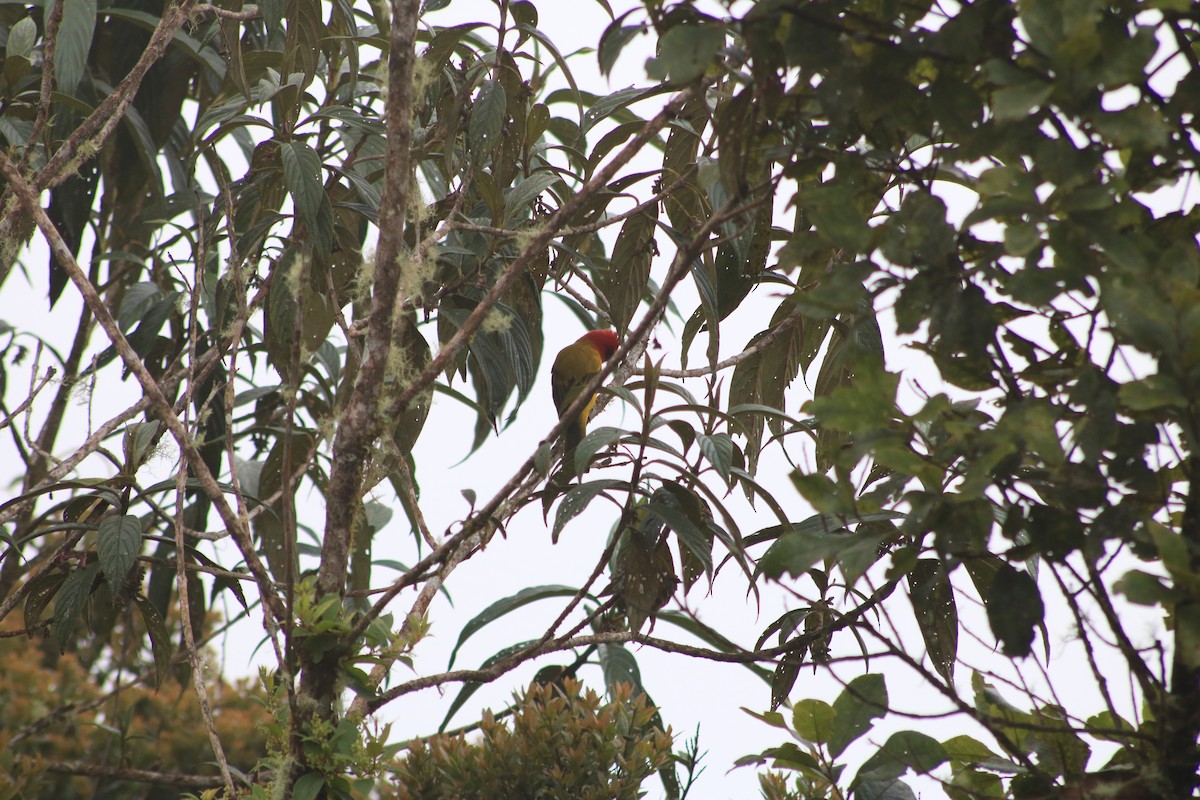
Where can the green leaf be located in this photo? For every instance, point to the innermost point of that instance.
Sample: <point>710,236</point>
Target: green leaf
<point>967,750</point>
<point>1013,103</point>
<point>412,351</point>
<point>139,300</point>
<point>933,604</point>
<point>786,672</point>
<point>486,121</point>
<point>864,699</point>
<point>1145,589</point>
<point>69,602</point>
<point>74,41</point>
<point>825,496</point>
<point>576,500</point>
<point>160,638</point>
<point>762,380</point>
<point>685,52</point>
<point>503,358</point>
<point>696,539</point>
<point>903,751</point>
<point>620,666</point>
<point>796,552</point>
<point>507,605</point>
<point>609,105</point>
<point>593,443</point>
<point>516,202</point>
<point>643,570</point>
<point>308,786</point>
<point>884,790</point>
<point>718,449</point>
<point>1014,609</point>
<point>1152,392</point>
<point>623,283</point>
<point>272,536</point>
<point>21,38</point>
<point>832,209</point>
<point>820,524</point>
<point>118,542</point>
<point>136,443</point>
<point>813,720</point>
<point>615,37</point>
<point>536,124</point>
<point>302,177</point>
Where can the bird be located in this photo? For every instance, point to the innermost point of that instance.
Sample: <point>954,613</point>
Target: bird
<point>573,368</point>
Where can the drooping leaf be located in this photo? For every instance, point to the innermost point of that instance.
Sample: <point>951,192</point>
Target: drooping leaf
<point>281,468</point>
<point>620,666</point>
<point>69,602</point>
<point>74,41</point>
<point>576,499</point>
<point>302,176</point>
<point>863,700</point>
<point>498,609</point>
<point>487,119</point>
<point>932,597</point>
<point>160,640</point>
<point>1015,609</point>
<point>624,282</point>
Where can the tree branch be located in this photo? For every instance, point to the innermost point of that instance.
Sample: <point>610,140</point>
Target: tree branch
<point>130,774</point>
<point>157,400</point>
<point>360,421</point>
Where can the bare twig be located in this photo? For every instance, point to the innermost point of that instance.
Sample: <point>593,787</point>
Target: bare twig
<point>131,774</point>
<point>28,401</point>
<point>89,446</point>
<point>762,344</point>
<point>200,686</point>
<point>245,15</point>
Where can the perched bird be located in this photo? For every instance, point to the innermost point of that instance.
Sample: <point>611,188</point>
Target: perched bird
<point>573,367</point>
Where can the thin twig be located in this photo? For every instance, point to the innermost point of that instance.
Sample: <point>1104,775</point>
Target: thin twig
<point>200,686</point>
<point>46,91</point>
<point>131,774</point>
<point>762,344</point>
<point>245,15</point>
<point>89,446</point>
<point>28,401</point>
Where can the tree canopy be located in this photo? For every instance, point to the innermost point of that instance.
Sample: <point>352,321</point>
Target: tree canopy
<point>908,297</point>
